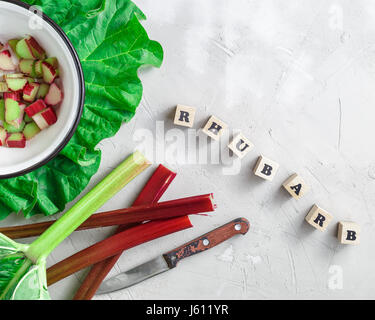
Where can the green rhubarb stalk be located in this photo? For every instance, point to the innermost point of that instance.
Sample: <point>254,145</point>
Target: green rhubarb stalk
<point>84,208</point>
<point>22,266</point>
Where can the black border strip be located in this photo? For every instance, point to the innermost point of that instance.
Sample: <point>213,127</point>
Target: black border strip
<point>81,98</point>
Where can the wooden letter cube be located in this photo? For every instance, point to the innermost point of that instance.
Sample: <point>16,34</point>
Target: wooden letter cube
<point>295,186</point>
<point>240,146</point>
<point>184,116</point>
<point>348,232</point>
<point>214,128</point>
<point>266,168</point>
<point>318,218</point>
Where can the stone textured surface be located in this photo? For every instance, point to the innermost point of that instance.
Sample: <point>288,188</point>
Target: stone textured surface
<point>297,78</point>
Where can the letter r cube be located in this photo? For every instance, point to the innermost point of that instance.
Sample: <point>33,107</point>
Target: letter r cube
<point>184,116</point>
<point>318,218</point>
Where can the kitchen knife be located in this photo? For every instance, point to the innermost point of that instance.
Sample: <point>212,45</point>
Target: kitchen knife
<point>170,259</point>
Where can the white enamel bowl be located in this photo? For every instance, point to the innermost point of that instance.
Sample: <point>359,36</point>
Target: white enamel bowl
<point>17,20</point>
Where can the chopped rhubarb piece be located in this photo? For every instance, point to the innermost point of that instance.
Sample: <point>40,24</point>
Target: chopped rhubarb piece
<point>49,72</point>
<point>3,136</point>
<point>12,129</point>
<point>6,62</point>
<point>54,95</point>
<point>30,80</point>
<point>53,62</point>
<point>2,110</point>
<point>43,90</point>
<point>14,76</point>
<point>24,50</point>
<point>3,87</point>
<point>16,140</point>
<point>16,84</point>
<point>27,119</point>
<point>12,95</point>
<point>12,110</point>
<point>31,130</point>
<point>27,66</point>
<point>45,118</point>
<point>37,51</point>
<point>36,107</point>
<point>38,69</point>
<point>13,44</point>
<point>17,123</point>
<point>30,91</point>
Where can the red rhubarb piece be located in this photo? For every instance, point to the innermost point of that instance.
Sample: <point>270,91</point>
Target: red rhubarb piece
<point>6,63</point>
<point>30,91</point>
<point>151,193</point>
<point>12,95</point>
<point>49,72</point>
<point>38,51</point>
<point>36,107</point>
<point>114,245</point>
<point>16,140</point>
<point>45,118</point>
<point>54,95</point>
<point>136,214</point>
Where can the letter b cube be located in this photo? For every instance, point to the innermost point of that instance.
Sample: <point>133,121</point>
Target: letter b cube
<point>266,168</point>
<point>348,232</point>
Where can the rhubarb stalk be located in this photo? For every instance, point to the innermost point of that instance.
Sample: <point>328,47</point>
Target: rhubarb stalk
<point>114,245</point>
<point>140,213</point>
<point>23,265</point>
<point>151,193</point>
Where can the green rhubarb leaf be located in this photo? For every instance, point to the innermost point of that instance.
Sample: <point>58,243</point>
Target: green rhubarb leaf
<point>23,267</point>
<point>112,45</point>
<point>32,285</point>
<point>20,279</point>
<point>11,261</point>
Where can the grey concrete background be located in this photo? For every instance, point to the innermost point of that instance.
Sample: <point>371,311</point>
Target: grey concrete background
<point>297,78</point>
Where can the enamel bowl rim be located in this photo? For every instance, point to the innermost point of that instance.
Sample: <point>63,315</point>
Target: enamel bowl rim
<point>81,92</point>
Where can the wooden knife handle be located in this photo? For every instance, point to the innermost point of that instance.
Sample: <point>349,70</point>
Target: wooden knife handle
<point>207,241</point>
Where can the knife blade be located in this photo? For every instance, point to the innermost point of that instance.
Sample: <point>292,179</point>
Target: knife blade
<point>169,260</point>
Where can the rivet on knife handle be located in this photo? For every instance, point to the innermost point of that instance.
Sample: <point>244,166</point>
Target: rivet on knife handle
<point>207,241</point>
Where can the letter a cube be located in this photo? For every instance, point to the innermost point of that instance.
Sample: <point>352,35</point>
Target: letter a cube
<point>348,232</point>
<point>318,218</point>
<point>184,116</point>
<point>295,186</point>
<point>266,168</point>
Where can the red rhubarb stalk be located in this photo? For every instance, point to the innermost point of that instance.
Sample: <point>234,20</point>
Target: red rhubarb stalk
<point>141,213</point>
<point>151,193</point>
<point>114,245</point>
